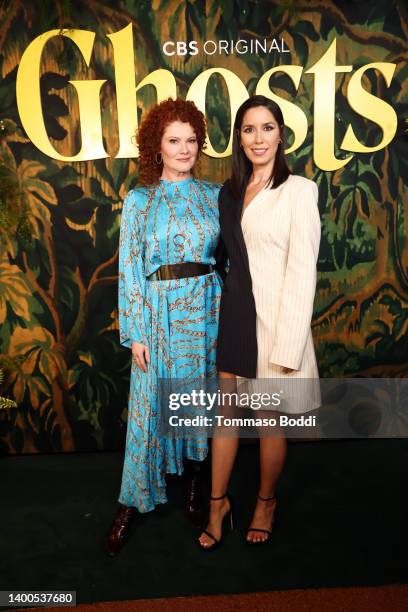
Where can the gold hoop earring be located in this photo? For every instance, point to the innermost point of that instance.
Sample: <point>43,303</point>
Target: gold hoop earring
<point>157,160</point>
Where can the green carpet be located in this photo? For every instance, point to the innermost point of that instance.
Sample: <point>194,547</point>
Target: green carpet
<point>340,521</point>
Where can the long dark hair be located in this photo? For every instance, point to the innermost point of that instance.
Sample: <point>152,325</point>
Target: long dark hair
<point>241,166</point>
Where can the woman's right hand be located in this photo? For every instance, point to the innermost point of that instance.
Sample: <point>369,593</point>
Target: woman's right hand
<point>140,355</point>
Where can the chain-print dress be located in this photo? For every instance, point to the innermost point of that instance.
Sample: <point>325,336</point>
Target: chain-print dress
<point>168,223</point>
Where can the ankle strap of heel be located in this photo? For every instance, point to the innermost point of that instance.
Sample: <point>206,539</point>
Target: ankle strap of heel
<point>267,498</point>
<point>218,498</point>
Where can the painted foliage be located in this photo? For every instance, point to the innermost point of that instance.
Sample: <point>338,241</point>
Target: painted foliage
<point>59,222</point>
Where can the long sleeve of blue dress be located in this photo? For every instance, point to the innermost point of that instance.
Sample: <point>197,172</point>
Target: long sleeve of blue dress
<point>132,280</point>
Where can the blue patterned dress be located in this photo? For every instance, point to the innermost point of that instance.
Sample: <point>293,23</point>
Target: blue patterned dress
<point>168,223</point>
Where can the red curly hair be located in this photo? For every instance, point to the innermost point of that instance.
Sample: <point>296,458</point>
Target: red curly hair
<point>152,128</point>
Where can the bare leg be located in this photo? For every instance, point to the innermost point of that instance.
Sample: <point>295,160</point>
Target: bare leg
<point>223,453</point>
<point>272,451</point>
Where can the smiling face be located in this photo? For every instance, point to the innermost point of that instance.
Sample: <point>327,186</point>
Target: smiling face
<point>179,149</point>
<point>259,136</point>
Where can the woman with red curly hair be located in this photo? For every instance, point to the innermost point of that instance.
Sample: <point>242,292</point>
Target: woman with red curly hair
<point>169,294</point>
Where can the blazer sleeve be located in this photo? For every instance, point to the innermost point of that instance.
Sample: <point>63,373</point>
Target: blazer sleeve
<point>299,285</point>
<point>132,279</point>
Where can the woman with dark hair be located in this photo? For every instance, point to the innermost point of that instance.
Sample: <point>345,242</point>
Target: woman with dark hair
<point>169,297</point>
<point>270,228</point>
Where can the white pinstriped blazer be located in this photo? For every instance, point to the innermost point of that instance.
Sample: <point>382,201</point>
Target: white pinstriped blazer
<point>281,229</point>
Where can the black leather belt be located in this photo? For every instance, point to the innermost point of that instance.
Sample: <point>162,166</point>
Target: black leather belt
<point>186,269</point>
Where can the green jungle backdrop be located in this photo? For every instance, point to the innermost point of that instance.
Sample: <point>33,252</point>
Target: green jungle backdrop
<point>59,222</point>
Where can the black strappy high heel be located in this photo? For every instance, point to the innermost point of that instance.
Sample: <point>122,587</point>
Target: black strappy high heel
<point>267,531</point>
<point>217,543</point>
